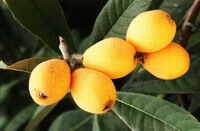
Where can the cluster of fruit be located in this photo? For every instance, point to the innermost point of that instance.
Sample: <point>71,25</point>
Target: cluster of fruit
<point>150,33</point>
<point>92,90</point>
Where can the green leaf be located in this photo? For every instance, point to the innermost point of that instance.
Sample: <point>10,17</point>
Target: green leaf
<point>72,121</point>
<point>20,118</point>
<point>40,113</point>
<point>193,45</point>
<point>3,120</point>
<point>43,19</point>
<point>95,126</point>
<point>26,65</point>
<point>81,121</point>
<point>194,102</point>
<point>176,8</point>
<point>112,119</point>
<point>84,45</point>
<point>5,88</point>
<point>145,83</point>
<point>143,112</point>
<point>116,16</point>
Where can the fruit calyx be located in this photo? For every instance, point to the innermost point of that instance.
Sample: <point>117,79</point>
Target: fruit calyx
<point>42,95</point>
<point>140,57</point>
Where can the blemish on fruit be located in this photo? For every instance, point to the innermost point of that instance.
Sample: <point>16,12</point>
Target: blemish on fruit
<point>108,105</point>
<point>42,95</point>
<point>169,17</point>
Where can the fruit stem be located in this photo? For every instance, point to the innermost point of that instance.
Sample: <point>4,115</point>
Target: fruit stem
<point>184,36</point>
<point>73,59</point>
<point>64,48</point>
<point>187,28</point>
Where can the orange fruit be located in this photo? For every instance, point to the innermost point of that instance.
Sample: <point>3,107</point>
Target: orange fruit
<point>168,63</point>
<point>92,90</point>
<point>112,56</point>
<point>49,81</point>
<point>151,31</point>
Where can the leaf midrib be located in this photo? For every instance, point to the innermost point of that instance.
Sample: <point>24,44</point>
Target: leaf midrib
<point>39,117</point>
<point>119,18</point>
<point>81,123</point>
<point>148,114</point>
<point>43,20</point>
<point>51,30</point>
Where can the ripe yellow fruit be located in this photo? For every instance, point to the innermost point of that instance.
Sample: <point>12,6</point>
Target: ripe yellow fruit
<point>112,56</point>
<point>168,63</point>
<point>151,31</point>
<point>92,90</point>
<point>49,81</point>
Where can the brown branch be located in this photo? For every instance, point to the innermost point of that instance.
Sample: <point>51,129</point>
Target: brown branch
<point>183,40</point>
<point>64,48</point>
<point>190,19</point>
<point>74,60</point>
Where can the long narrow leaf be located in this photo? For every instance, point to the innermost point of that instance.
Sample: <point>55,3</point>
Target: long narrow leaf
<point>20,118</point>
<point>143,112</point>
<point>5,88</point>
<point>95,126</point>
<point>73,120</point>
<point>40,114</point>
<point>26,65</point>
<point>42,18</point>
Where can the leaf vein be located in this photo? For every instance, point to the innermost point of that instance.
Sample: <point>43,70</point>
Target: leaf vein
<point>143,111</point>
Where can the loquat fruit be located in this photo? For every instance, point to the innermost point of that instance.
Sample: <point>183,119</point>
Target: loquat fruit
<point>49,81</point>
<point>112,56</point>
<point>92,90</point>
<point>168,63</point>
<point>151,31</point>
